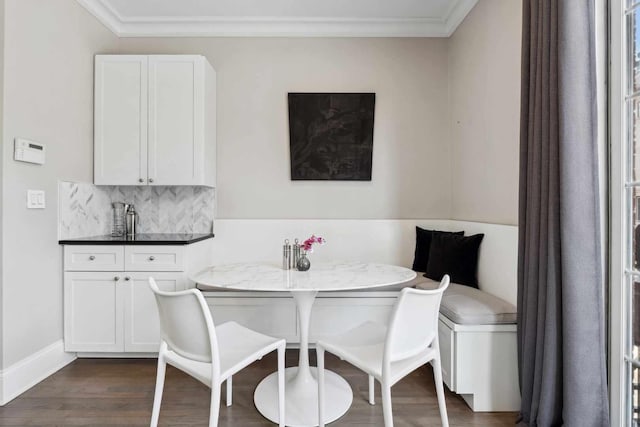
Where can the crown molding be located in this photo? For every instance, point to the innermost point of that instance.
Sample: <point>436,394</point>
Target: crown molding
<point>458,11</point>
<point>216,26</point>
<point>104,13</point>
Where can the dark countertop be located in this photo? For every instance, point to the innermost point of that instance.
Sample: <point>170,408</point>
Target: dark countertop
<point>140,239</point>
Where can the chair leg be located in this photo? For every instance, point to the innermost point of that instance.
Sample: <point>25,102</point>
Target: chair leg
<point>214,410</point>
<point>386,405</point>
<point>437,376</point>
<point>157,399</point>
<point>229,390</point>
<point>320,361</point>
<point>281,396</point>
<point>372,400</point>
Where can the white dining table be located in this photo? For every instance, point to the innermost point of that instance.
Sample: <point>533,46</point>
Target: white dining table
<point>301,388</point>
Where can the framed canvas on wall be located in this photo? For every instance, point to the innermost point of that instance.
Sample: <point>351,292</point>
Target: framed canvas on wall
<point>331,136</point>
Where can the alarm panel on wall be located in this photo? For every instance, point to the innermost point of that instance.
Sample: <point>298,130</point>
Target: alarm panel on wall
<point>29,151</point>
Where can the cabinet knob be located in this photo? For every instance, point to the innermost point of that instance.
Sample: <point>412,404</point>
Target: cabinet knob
<point>151,258</point>
<point>150,179</point>
<point>141,180</point>
<point>92,257</point>
<point>116,278</point>
<point>127,278</point>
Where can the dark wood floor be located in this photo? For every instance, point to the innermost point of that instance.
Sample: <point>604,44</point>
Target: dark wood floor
<point>119,392</point>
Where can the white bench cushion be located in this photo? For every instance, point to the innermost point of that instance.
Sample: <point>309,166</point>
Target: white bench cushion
<point>465,305</point>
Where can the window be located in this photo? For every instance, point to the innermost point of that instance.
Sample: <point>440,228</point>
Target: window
<point>631,202</point>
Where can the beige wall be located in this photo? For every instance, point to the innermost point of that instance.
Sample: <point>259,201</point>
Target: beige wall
<point>48,97</point>
<point>430,161</point>
<point>409,77</point>
<point>484,97</point>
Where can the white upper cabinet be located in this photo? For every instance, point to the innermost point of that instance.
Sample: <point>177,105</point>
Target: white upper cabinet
<point>155,119</point>
<point>120,122</point>
<point>176,131</point>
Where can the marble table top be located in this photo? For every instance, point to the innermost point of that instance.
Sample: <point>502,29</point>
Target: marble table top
<point>332,276</point>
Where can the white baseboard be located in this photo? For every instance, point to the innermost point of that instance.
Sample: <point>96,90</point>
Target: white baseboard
<point>21,376</point>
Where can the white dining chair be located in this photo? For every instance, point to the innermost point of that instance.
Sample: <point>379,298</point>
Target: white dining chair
<point>390,353</point>
<point>191,343</point>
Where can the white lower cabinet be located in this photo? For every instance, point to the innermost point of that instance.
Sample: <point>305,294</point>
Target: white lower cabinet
<point>141,321</point>
<point>114,311</point>
<point>93,311</point>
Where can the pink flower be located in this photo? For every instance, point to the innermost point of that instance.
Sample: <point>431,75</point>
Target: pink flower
<point>307,245</point>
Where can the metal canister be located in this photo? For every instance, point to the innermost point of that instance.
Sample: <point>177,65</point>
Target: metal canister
<point>296,253</point>
<point>286,255</point>
<point>132,219</point>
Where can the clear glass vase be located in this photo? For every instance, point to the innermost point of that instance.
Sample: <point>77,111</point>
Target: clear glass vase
<point>118,225</point>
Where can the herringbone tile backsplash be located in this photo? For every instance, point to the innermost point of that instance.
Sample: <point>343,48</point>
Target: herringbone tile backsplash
<point>85,209</point>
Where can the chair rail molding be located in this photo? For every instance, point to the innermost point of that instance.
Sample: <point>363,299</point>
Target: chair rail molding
<point>278,26</point>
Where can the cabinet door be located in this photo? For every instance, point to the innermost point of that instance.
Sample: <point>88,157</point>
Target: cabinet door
<point>176,119</point>
<point>120,122</point>
<point>93,311</point>
<point>141,321</point>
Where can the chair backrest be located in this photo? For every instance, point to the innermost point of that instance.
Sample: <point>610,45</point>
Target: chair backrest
<point>186,324</point>
<point>414,322</point>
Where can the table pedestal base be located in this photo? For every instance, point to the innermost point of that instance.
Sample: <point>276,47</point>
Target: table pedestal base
<point>301,389</point>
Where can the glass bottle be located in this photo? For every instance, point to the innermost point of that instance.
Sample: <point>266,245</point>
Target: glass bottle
<point>303,262</point>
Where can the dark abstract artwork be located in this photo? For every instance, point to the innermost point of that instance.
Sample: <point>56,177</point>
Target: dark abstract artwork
<point>331,136</point>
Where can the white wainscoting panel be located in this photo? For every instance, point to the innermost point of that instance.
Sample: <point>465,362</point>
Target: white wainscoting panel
<point>498,262</point>
<point>385,241</point>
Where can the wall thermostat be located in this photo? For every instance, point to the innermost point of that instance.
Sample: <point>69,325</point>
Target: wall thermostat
<point>29,151</point>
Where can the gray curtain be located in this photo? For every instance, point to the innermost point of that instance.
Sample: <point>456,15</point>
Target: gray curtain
<point>561,327</point>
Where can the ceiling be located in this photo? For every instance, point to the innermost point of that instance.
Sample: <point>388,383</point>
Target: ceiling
<point>281,18</point>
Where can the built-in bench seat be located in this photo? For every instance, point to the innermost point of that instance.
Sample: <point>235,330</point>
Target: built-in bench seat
<point>465,305</point>
<point>477,333</point>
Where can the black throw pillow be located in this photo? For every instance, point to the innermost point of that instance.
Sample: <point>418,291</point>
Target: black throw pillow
<point>423,244</point>
<point>456,256</point>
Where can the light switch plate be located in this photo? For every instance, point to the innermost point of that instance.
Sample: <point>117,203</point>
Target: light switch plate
<point>35,199</point>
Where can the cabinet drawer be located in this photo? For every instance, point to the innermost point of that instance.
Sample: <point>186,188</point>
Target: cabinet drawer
<point>447,354</point>
<point>93,258</point>
<point>154,258</point>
